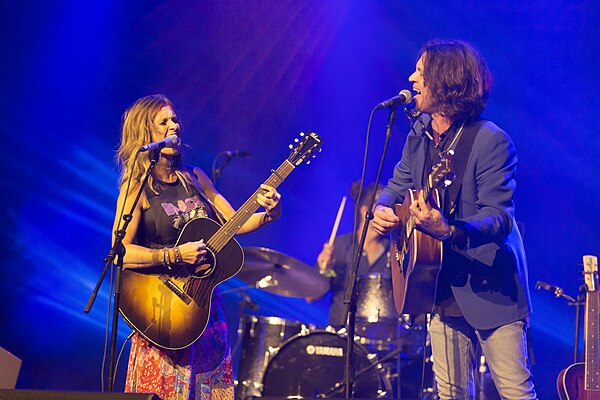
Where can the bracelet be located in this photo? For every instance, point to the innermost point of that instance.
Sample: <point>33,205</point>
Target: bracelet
<point>166,258</point>
<point>170,256</point>
<point>162,257</point>
<point>446,235</point>
<point>177,255</point>
<point>328,273</point>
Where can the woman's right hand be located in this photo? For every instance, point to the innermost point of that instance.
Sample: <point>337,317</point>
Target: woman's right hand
<point>326,259</point>
<point>193,253</point>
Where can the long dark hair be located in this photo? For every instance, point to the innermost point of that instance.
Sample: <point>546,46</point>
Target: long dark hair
<point>457,76</point>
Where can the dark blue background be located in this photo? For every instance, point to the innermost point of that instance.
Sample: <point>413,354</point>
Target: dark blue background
<point>251,76</point>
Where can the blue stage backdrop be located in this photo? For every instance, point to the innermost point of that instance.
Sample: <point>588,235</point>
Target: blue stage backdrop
<point>251,76</point>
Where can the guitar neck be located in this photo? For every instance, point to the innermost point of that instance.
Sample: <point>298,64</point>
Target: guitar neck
<point>243,214</point>
<point>592,366</point>
<point>592,369</point>
<point>427,192</point>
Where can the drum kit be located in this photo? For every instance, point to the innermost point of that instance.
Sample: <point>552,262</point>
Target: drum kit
<point>290,359</point>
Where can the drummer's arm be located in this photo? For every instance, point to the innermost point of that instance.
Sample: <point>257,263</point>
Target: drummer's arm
<point>326,261</point>
<point>325,264</point>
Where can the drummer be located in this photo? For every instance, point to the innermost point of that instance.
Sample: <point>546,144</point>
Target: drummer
<point>336,260</point>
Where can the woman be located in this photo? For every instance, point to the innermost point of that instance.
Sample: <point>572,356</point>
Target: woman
<point>174,194</point>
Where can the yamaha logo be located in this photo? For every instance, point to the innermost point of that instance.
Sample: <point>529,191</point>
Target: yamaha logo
<point>324,351</point>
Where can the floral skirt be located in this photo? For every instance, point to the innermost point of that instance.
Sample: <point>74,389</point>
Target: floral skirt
<point>202,371</point>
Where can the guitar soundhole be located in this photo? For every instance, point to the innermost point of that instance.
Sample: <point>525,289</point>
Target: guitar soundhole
<point>207,267</point>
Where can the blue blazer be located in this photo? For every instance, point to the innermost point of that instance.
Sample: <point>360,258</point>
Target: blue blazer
<point>488,277</point>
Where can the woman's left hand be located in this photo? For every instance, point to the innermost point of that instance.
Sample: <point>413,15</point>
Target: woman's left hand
<point>271,201</point>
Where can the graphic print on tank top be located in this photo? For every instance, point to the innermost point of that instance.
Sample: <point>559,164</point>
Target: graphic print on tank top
<point>185,210</point>
<point>169,211</point>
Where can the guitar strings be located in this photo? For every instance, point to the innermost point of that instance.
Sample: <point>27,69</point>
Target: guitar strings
<point>224,235</point>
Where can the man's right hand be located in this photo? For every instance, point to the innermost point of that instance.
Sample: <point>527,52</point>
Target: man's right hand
<point>384,220</point>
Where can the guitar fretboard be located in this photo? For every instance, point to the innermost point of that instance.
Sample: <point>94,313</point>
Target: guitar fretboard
<point>592,368</point>
<point>231,227</point>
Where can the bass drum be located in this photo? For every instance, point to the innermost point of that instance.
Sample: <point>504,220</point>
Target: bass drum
<point>312,365</point>
<point>261,338</point>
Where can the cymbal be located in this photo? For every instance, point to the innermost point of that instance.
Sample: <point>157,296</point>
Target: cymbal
<point>281,274</point>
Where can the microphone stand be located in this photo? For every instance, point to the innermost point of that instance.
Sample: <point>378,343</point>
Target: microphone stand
<point>118,251</point>
<point>351,295</point>
<point>216,171</point>
<point>578,303</point>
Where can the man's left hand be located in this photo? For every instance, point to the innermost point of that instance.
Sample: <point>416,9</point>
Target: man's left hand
<point>428,217</point>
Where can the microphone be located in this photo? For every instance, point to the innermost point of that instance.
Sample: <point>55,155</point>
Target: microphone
<point>238,153</point>
<point>169,141</point>
<point>404,97</point>
<point>551,288</point>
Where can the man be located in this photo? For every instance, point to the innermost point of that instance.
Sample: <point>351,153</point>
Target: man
<point>482,294</point>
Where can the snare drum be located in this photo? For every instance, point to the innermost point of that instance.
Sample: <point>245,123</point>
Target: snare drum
<point>310,365</point>
<point>376,316</point>
<point>262,336</point>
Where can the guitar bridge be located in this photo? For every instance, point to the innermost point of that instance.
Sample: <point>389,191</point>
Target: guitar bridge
<point>175,289</point>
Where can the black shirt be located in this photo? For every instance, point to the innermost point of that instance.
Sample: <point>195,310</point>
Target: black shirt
<point>445,303</point>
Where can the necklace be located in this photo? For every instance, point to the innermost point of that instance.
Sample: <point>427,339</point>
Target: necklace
<point>419,118</point>
<point>456,137</point>
<point>168,164</point>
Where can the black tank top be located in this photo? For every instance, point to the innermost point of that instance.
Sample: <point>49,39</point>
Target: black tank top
<point>160,226</point>
<point>169,211</point>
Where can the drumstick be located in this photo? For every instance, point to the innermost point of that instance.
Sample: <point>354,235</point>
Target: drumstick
<point>330,273</point>
<point>337,221</point>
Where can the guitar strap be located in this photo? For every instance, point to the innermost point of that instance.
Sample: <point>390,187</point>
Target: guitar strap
<point>461,158</point>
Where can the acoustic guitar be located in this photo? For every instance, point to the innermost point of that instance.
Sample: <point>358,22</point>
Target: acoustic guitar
<point>416,256</point>
<point>171,307</point>
<point>581,381</point>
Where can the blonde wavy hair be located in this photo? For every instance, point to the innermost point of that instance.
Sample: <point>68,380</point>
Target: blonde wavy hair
<point>138,125</point>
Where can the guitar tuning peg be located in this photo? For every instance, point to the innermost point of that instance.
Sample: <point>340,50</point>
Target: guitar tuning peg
<point>301,134</point>
<point>320,149</point>
<point>308,162</point>
<point>291,146</point>
<point>296,140</point>
<point>314,156</point>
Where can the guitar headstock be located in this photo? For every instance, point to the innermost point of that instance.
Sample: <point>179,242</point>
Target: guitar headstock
<point>306,146</point>
<point>590,272</point>
<point>443,173</point>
